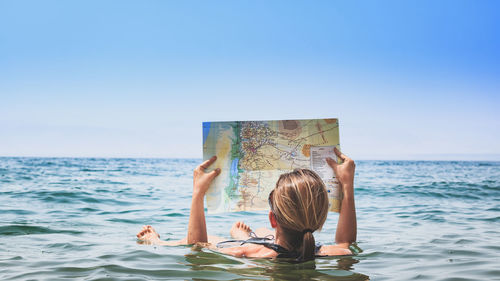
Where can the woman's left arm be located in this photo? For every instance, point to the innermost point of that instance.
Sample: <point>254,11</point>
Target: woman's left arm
<point>197,227</point>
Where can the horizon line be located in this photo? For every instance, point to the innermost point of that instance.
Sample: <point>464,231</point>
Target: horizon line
<point>424,157</point>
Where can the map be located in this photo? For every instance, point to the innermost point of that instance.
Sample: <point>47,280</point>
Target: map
<point>253,154</point>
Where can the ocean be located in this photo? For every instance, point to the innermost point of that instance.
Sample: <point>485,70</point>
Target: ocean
<point>77,218</point>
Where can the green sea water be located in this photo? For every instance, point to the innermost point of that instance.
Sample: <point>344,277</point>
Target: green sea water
<point>76,218</point>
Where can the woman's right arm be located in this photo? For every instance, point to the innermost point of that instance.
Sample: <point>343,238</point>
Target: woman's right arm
<point>197,227</point>
<point>347,226</point>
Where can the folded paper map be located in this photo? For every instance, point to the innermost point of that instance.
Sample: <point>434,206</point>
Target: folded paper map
<point>253,154</point>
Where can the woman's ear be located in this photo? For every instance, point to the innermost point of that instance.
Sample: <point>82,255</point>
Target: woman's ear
<point>272,220</point>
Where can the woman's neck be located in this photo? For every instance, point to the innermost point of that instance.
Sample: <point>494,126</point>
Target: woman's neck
<point>281,239</point>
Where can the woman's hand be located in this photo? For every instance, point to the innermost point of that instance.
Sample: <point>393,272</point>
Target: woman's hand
<point>343,172</point>
<point>347,227</point>
<point>201,179</point>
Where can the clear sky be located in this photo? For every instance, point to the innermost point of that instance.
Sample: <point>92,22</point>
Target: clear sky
<point>407,79</point>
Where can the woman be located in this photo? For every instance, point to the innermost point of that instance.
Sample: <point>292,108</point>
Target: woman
<point>299,206</point>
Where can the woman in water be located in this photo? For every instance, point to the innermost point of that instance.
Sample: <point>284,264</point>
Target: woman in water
<point>298,207</point>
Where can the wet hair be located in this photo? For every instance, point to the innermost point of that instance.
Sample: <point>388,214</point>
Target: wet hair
<point>300,204</point>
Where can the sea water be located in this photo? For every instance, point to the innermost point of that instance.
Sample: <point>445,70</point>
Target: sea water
<point>77,218</point>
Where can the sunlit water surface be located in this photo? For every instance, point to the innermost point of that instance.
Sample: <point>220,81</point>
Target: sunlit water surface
<point>77,218</point>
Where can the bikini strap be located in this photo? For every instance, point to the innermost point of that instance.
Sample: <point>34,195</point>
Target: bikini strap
<point>268,242</point>
<point>282,251</point>
<point>254,239</point>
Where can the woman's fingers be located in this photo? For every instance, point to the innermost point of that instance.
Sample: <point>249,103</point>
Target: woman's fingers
<point>339,154</point>
<point>331,163</point>
<point>215,173</point>
<point>207,163</point>
<point>202,179</point>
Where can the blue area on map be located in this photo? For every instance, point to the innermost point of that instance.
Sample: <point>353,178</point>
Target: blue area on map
<point>234,167</point>
<point>206,130</point>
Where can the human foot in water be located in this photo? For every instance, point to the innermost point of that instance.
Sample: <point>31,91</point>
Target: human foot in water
<point>148,235</point>
<point>240,231</point>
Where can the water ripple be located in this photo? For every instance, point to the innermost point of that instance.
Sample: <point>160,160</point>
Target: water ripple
<point>13,230</point>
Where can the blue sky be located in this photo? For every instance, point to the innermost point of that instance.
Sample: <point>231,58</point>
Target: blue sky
<point>407,79</point>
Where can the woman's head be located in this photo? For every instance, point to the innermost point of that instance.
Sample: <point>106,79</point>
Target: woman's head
<point>299,203</point>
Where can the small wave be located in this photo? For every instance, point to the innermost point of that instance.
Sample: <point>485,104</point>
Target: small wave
<point>16,230</point>
<point>104,181</point>
<point>458,190</point>
<point>487,164</point>
<point>464,241</point>
<point>175,215</point>
<point>70,246</point>
<point>92,170</point>
<point>114,202</point>
<point>60,245</point>
<point>88,209</point>
<point>18,212</point>
<point>24,178</point>
<point>373,254</point>
<point>15,258</point>
<point>69,197</point>
<point>490,219</point>
<point>132,256</point>
<point>439,241</point>
<point>129,221</point>
<point>462,253</point>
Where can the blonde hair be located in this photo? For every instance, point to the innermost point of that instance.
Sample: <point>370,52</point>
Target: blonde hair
<point>300,204</point>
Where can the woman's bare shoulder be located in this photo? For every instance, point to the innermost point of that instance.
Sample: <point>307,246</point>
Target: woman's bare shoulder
<point>250,251</point>
<point>334,250</point>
